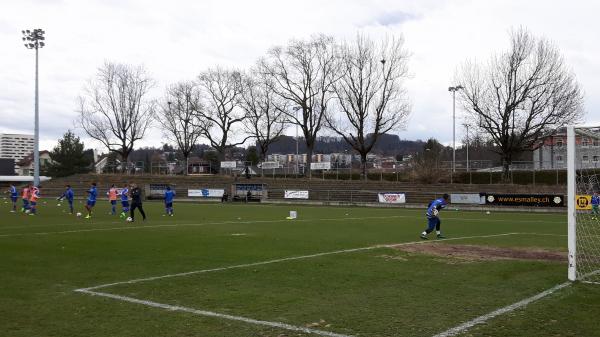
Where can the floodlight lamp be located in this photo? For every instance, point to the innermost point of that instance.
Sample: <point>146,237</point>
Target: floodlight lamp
<point>42,44</point>
<point>28,31</point>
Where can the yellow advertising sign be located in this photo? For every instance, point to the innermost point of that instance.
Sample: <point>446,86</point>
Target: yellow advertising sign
<point>583,202</point>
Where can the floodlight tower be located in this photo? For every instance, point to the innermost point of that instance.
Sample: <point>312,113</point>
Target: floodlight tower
<point>34,39</point>
<point>453,90</point>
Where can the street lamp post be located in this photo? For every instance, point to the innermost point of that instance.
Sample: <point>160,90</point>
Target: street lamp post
<point>467,127</point>
<point>454,90</point>
<point>296,108</point>
<point>34,40</point>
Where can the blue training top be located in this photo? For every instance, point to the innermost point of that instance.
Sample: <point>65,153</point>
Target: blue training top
<point>93,193</point>
<point>169,195</point>
<point>68,194</point>
<point>438,204</point>
<point>124,196</point>
<point>13,192</point>
<point>596,200</point>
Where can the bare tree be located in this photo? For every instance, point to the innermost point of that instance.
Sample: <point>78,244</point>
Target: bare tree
<point>220,112</point>
<point>370,93</point>
<point>520,95</point>
<point>115,109</point>
<point>303,73</point>
<point>178,117</point>
<point>264,118</point>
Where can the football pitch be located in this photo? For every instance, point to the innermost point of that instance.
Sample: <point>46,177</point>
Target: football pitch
<point>244,270</point>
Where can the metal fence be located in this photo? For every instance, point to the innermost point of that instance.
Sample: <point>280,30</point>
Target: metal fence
<point>473,172</point>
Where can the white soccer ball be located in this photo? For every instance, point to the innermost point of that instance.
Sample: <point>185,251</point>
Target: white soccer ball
<point>27,211</point>
<point>78,214</point>
<point>57,205</point>
<point>129,219</point>
<point>488,212</point>
<point>435,212</point>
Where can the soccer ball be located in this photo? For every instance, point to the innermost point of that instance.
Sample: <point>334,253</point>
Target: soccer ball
<point>435,212</point>
<point>488,212</point>
<point>129,219</point>
<point>78,214</point>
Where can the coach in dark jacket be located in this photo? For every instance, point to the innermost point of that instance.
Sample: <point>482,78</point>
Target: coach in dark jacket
<point>136,201</point>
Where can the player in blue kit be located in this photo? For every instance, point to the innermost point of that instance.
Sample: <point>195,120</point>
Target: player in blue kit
<point>14,196</point>
<point>169,196</point>
<point>69,195</point>
<point>124,201</point>
<point>91,201</point>
<point>433,219</point>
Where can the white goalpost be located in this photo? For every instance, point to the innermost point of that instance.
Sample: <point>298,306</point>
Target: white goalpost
<point>583,181</point>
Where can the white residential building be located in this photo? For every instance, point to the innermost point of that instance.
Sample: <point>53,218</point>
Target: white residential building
<point>15,146</point>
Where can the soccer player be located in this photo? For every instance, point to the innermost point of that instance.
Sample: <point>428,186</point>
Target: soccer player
<point>595,205</point>
<point>112,197</point>
<point>433,219</point>
<point>136,202</point>
<point>69,195</point>
<point>34,195</point>
<point>25,197</point>
<point>124,201</point>
<point>169,196</point>
<point>91,201</point>
<point>14,196</point>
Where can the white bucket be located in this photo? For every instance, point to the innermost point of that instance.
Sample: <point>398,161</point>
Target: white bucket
<point>293,214</point>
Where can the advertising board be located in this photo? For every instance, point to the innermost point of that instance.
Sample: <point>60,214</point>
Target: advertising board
<point>391,198</point>
<point>295,194</point>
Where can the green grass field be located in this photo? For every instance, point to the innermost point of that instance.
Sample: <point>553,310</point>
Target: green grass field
<point>257,274</point>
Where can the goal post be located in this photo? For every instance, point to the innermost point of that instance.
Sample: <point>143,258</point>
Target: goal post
<point>571,208</point>
<point>583,181</point>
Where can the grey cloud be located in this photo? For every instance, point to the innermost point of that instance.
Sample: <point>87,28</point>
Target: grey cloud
<point>395,18</point>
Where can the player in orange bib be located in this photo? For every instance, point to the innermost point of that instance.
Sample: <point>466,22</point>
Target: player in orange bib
<point>112,197</point>
<point>25,197</point>
<point>34,195</point>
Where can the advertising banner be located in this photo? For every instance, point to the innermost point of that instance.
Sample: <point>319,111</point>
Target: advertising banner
<point>320,166</point>
<point>228,164</point>
<point>538,200</point>
<point>391,198</point>
<point>268,165</point>
<point>465,198</point>
<point>583,202</point>
<point>206,193</point>
<point>293,194</point>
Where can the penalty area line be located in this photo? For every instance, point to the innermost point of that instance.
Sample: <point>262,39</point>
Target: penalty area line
<point>206,313</point>
<point>285,259</point>
<point>484,318</point>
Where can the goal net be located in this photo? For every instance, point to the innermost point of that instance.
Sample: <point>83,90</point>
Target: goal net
<point>583,174</point>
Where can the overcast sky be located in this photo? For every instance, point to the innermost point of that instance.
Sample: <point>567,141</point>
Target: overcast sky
<point>177,39</point>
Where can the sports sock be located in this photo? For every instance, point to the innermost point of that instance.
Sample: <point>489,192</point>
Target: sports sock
<point>438,232</point>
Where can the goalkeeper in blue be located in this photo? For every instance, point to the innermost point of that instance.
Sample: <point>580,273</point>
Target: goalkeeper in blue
<point>169,196</point>
<point>433,217</point>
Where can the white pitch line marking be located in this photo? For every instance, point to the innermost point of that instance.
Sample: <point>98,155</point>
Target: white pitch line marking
<point>248,222</point>
<point>191,224</point>
<point>152,278</point>
<point>214,314</point>
<point>484,318</point>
